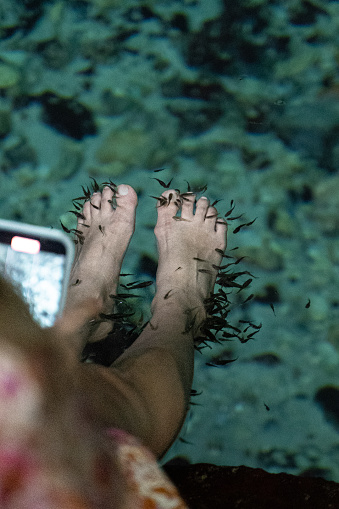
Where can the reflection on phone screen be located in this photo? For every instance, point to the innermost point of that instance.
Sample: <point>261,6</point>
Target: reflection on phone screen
<point>38,277</point>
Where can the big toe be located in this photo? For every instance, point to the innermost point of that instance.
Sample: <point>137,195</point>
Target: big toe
<point>169,202</point>
<point>126,196</point>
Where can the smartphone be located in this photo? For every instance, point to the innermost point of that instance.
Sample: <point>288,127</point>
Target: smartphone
<point>37,261</point>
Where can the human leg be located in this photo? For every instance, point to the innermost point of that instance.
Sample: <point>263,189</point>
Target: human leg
<point>106,233</point>
<point>147,388</point>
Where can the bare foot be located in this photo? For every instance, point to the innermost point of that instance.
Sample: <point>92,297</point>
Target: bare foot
<point>99,256</point>
<point>187,251</point>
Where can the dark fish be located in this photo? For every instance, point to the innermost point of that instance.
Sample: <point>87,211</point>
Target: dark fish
<point>231,209</point>
<point>102,229</point>
<point>235,217</point>
<point>185,441</point>
<point>78,281</point>
<point>272,307</point>
<point>167,294</point>
<point>267,407</point>
<point>160,169</point>
<point>80,198</point>
<point>122,274</point>
<point>242,225</point>
<point>308,304</point>
<point>162,183</point>
<point>161,199</point>
<point>110,184</point>
<point>178,269</point>
<point>64,228</point>
<point>95,185</point>
<point>239,259</point>
<point>215,202</point>
<point>76,205</point>
<point>220,363</point>
<point>77,214</point>
<point>119,296</point>
<point>199,259</point>
<point>115,316</point>
<point>87,192</point>
<point>250,336</point>
<point>133,286</point>
<point>195,393</point>
<point>249,298</point>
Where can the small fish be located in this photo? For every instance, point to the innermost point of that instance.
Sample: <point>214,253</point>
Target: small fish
<point>185,441</point>
<point>102,229</point>
<point>215,202</point>
<point>272,307</point>
<point>220,363</point>
<point>76,205</point>
<point>249,298</point>
<point>267,407</point>
<point>95,185</point>
<point>308,303</point>
<point>160,169</point>
<point>178,269</point>
<point>110,184</point>
<point>87,192</point>
<point>242,225</point>
<point>246,284</point>
<point>188,186</point>
<point>162,200</point>
<point>235,217</point>
<point>77,282</point>
<point>64,228</point>
<point>77,214</point>
<point>120,296</point>
<point>199,259</point>
<point>133,286</point>
<point>167,294</point>
<point>231,209</point>
<point>195,392</point>
<point>115,316</point>
<point>162,183</point>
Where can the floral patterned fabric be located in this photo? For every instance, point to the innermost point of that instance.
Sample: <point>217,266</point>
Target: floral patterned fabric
<point>25,485</point>
<point>146,482</point>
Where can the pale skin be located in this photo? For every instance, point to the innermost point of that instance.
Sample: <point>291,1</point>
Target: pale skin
<point>146,391</point>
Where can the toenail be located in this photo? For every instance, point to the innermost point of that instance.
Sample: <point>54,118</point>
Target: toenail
<point>123,190</point>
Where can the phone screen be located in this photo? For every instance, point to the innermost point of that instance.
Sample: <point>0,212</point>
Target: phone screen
<point>36,267</point>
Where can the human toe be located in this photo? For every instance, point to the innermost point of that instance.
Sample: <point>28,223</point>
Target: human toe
<point>169,202</point>
<point>126,197</point>
<point>95,201</point>
<point>201,208</point>
<point>187,205</point>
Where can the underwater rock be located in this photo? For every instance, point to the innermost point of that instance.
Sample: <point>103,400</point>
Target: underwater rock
<point>9,77</point>
<point>67,116</point>
<point>206,486</point>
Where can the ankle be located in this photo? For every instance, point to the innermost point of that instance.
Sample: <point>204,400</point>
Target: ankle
<point>179,310</point>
